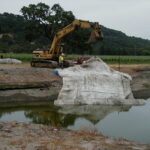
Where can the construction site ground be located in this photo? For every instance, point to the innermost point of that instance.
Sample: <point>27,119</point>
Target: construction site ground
<point>27,136</point>
<point>23,76</point>
<point>25,73</point>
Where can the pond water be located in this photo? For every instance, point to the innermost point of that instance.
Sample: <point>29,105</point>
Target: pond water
<point>129,122</point>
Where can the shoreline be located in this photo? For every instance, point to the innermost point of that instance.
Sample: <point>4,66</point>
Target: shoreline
<point>15,135</point>
<point>24,83</point>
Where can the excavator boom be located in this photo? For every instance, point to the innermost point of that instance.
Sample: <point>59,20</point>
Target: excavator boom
<point>55,50</point>
<point>95,34</point>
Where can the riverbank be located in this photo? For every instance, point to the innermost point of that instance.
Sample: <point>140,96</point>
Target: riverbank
<point>15,135</point>
<point>23,83</point>
<point>20,82</point>
<point>140,83</point>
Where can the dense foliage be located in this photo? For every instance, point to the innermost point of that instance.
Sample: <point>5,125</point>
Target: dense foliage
<point>39,23</point>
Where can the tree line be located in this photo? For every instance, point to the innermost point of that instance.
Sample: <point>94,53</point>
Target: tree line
<point>38,24</point>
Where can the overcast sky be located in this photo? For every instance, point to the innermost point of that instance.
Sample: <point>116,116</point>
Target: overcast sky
<point>129,16</point>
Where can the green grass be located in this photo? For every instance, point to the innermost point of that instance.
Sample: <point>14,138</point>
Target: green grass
<point>127,59</point>
<point>121,59</point>
<point>107,59</point>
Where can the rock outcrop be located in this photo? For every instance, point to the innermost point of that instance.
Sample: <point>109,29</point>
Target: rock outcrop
<point>94,82</point>
<point>23,83</point>
<point>141,84</point>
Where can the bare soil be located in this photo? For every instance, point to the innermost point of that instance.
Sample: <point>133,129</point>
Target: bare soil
<point>21,73</point>
<point>27,136</point>
<point>140,83</point>
<point>24,73</point>
<point>23,83</point>
<point>36,81</point>
<point>131,69</point>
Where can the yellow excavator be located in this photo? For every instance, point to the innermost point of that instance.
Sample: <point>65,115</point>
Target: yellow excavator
<point>49,58</point>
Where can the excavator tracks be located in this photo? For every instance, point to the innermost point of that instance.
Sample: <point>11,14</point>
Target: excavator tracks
<point>44,64</point>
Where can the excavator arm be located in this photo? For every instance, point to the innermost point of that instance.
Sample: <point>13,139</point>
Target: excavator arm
<point>95,34</point>
<point>43,58</point>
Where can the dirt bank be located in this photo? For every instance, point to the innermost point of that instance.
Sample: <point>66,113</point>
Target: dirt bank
<point>22,83</point>
<point>140,78</point>
<point>26,136</point>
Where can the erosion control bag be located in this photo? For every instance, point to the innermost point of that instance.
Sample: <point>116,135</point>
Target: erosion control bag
<point>94,82</point>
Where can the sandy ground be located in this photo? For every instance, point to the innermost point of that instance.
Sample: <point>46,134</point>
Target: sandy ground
<point>26,73</point>
<point>26,136</point>
<point>130,68</point>
<point>14,73</point>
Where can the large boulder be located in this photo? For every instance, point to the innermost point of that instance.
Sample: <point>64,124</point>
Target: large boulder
<point>94,82</point>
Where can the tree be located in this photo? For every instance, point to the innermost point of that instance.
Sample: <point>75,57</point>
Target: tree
<point>7,39</point>
<point>10,23</point>
<point>45,21</point>
<point>39,23</point>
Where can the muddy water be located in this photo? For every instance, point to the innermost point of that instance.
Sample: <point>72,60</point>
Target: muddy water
<point>130,122</point>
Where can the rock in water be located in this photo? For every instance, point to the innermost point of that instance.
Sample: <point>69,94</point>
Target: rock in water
<point>94,82</point>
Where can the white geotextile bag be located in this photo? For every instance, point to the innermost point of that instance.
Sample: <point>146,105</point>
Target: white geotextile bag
<point>94,82</point>
<point>10,61</point>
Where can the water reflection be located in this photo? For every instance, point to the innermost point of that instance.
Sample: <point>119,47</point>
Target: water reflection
<point>93,113</point>
<point>130,122</point>
<point>52,118</point>
<point>47,113</point>
<point>40,113</point>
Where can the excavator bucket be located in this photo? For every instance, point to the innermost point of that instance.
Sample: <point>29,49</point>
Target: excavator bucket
<point>96,34</point>
<point>92,37</point>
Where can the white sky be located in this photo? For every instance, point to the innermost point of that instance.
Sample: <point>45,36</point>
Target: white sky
<point>129,16</point>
